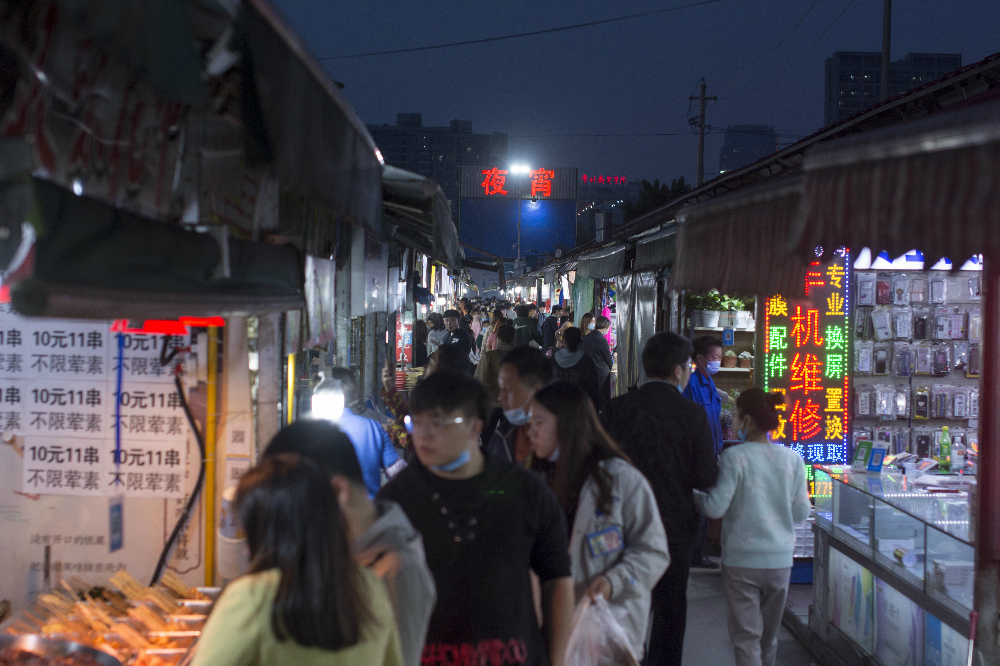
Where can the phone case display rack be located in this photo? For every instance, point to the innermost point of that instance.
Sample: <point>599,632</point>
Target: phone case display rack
<point>917,340</point>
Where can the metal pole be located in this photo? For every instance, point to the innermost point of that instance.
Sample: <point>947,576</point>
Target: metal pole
<point>987,492</point>
<point>520,195</point>
<point>886,39</point>
<point>701,134</point>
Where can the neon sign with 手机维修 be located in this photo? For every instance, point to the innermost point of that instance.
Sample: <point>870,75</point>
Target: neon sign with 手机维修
<point>806,359</point>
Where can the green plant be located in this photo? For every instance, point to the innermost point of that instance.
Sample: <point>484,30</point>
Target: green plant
<point>727,302</point>
<point>708,301</point>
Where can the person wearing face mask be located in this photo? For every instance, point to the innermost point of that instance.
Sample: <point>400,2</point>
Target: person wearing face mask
<point>761,492</point>
<point>487,525</point>
<point>523,371</point>
<point>669,441</point>
<point>702,389</point>
<point>617,545</point>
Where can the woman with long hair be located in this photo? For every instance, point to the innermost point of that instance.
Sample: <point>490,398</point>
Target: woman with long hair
<point>760,494</point>
<point>587,323</point>
<point>491,338</point>
<point>437,333</point>
<point>618,547</point>
<point>304,601</point>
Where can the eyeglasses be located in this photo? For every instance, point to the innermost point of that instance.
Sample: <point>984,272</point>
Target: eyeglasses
<point>434,424</point>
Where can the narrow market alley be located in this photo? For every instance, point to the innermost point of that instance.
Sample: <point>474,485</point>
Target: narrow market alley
<point>706,641</point>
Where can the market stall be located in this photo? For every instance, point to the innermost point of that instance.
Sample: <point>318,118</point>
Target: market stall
<point>879,357</point>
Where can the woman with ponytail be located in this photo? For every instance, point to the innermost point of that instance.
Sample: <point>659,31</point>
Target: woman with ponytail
<point>760,494</point>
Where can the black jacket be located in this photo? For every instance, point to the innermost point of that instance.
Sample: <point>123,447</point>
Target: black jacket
<point>462,338</point>
<point>668,439</point>
<point>549,328</point>
<point>526,331</point>
<point>596,347</point>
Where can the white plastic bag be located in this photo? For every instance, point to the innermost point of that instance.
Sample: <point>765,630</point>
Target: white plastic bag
<point>597,638</point>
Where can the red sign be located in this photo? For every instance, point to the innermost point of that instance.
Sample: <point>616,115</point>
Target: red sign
<point>603,180</point>
<point>494,181</point>
<point>541,183</point>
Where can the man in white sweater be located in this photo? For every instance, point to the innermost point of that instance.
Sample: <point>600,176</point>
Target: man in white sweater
<point>761,492</point>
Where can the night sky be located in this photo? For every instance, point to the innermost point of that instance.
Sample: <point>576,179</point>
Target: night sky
<point>632,77</point>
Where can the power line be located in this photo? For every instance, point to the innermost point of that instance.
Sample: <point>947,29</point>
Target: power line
<point>522,34</point>
<point>767,55</point>
<point>799,56</point>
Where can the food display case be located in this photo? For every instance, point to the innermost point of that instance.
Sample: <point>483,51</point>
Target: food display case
<point>121,624</point>
<point>894,565</point>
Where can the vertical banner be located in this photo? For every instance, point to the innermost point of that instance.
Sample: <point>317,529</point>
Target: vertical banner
<point>806,357</point>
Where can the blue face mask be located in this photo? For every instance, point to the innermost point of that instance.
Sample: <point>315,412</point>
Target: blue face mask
<point>454,464</point>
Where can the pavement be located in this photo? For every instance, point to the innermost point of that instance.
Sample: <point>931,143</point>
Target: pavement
<point>706,641</point>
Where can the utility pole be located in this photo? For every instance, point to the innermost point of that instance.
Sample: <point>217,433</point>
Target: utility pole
<point>701,129</point>
<point>886,39</point>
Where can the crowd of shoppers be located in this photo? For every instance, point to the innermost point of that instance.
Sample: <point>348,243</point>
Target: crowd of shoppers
<point>503,493</point>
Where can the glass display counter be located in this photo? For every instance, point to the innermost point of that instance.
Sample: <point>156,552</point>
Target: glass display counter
<point>883,540</point>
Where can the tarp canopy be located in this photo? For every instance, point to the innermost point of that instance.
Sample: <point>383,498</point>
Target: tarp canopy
<point>421,215</point>
<point>930,185</point>
<point>737,243</point>
<point>656,251</point>
<point>605,263</point>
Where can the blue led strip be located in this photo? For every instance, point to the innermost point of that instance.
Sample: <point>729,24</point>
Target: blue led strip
<point>118,406</point>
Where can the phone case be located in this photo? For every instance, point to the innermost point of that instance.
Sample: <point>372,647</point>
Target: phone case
<point>918,290</point>
<point>902,323</point>
<point>960,356</point>
<point>937,287</point>
<point>902,403</point>
<point>863,323</point>
<point>881,362</point>
<point>864,353</point>
<point>958,330</point>
<point>882,323</point>
<point>973,369</point>
<point>975,288</point>
<point>940,359</point>
<point>922,444</point>
<point>940,397</point>
<point>975,325</point>
<point>866,290</point>
<point>900,291</point>
<point>921,324</point>
<point>959,404</point>
<point>922,363</point>
<point>921,403</point>
<point>883,291</point>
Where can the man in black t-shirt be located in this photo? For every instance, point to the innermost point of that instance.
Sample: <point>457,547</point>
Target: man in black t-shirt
<point>486,524</point>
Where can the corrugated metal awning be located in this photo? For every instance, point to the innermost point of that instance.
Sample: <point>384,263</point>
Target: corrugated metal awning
<point>421,214</point>
<point>605,263</point>
<point>656,251</point>
<point>737,242</point>
<point>931,185</point>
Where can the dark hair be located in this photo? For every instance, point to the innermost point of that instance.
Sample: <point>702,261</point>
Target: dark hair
<point>761,407</point>
<point>555,308</point>
<point>572,338</point>
<point>531,306</point>
<point>506,332</point>
<point>451,314</point>
<point>465,301</point>
<point>583,444</point>
<point>521,310</point>
<point>321,442</point>
<point>498,316</point>
<point>435,320</point>
<point>290,514</point>
<point>449,358</point>
<point>532,365</point>
<point>603,322</point>
<point>565,318</point>
<point>450,391</point>
<point>703,344</point>
<point>349,385</point>
<point>420,331</point>
<point>664,352</point>
<point>584,320</point>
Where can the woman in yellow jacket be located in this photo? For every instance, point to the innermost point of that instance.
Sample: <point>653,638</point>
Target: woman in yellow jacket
<point>304,601</point>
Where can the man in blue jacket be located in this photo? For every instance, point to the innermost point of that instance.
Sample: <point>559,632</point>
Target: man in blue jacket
<point>702,390</point>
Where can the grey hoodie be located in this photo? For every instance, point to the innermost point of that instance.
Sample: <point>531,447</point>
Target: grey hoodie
<point>395,552</point>
<point>567,359</point>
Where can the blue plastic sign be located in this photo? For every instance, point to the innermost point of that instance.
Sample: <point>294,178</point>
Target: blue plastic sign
<point>728,337</point>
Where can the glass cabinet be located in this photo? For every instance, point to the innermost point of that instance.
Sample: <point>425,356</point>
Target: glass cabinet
<point>918,537</point>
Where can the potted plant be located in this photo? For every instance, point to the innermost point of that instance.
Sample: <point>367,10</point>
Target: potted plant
<point>729,359</point>
<point>745,359</point>
<point>746,314</point>
<point>731,306</point>
<point>705,309</point>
